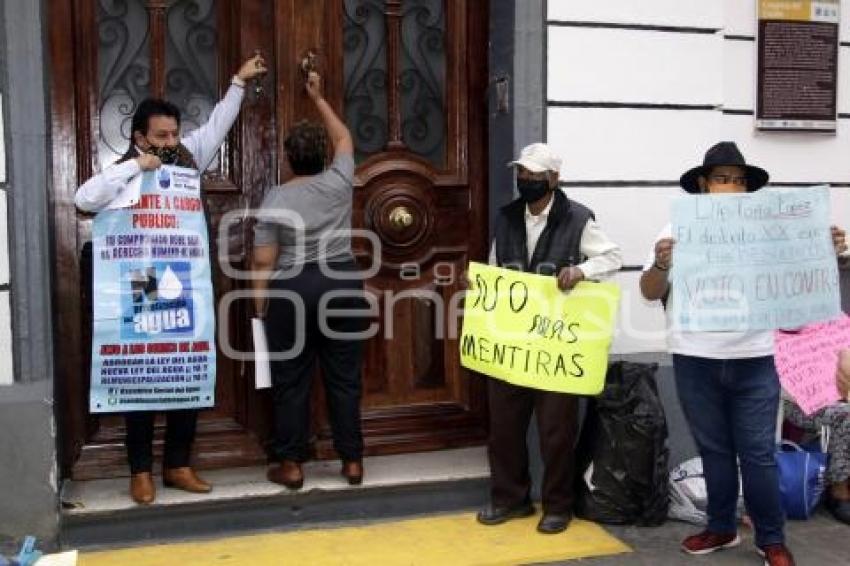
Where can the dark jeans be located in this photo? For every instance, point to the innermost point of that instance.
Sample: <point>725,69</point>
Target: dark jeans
<point>340,359</point>
<point>557,420</point>
<point>179,435</point>
<point>731,406</point>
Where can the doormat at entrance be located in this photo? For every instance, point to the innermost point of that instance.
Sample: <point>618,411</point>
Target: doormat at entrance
<point>447,540</point>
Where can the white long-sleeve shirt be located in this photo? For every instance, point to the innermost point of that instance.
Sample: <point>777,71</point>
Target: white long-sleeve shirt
<point>114,187</point>
<point>604,257</point>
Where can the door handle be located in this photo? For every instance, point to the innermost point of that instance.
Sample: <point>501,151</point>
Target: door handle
<point>401,218</point>
<point>308,63</point>
<point>258,81</point>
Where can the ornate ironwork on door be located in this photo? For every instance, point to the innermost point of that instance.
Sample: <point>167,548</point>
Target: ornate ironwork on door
<point>395,76</point>
<point>365,71</point>
<point>154,48</point>
<point>423,78</point>
<point>191,60</point>
<point>123,71</point>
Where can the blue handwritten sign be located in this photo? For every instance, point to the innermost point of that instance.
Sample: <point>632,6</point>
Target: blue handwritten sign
<point>752,261</point>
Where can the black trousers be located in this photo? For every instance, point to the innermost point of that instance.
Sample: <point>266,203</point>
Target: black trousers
<point>340,359</point>
<point>179,435</point>
<point>557,422</point>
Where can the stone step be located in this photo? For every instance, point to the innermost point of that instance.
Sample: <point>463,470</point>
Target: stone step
<point>99,513</point>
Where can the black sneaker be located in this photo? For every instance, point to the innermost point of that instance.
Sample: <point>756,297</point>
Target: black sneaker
<point>496,515</point>
<point>551,523</point>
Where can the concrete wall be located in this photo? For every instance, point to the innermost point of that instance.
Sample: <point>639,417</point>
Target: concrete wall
<point>637,91</point>
<point>6,366</point>
<point>531,123</point>
<point>28,474</point>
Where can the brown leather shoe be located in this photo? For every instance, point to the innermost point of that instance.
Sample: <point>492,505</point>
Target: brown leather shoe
<point>352,470</point>
<point>142,489</point>
<point>288,473</point>
<point>186,479</point>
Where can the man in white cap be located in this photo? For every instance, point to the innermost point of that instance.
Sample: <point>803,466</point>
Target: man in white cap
<point>543,232</point>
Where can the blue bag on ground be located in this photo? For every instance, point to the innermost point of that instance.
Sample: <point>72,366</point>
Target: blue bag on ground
<point>801,477</point>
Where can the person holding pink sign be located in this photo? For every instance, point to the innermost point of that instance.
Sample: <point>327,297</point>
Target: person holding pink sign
<point>837,418</point>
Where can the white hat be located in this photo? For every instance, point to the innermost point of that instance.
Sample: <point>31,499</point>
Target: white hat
<point>538,157</point>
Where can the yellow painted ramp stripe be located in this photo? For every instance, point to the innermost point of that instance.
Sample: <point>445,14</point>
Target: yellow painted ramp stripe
<point>444,540</point>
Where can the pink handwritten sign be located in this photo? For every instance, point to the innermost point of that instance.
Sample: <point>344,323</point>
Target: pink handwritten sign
<point>807,361</point>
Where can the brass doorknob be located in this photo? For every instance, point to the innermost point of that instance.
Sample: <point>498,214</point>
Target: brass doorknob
<point>401,218</point>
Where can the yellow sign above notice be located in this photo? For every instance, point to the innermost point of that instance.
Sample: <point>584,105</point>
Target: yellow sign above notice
<point>799,10</point>
<point>520,328</point>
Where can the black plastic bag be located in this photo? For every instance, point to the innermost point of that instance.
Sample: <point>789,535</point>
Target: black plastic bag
<point>622,452</point>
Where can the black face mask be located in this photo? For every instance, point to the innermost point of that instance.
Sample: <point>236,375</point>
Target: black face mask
<point>169,155</point>
<point>173,155</point>
<point>531,190</point>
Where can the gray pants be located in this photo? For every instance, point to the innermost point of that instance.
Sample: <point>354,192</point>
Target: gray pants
<point>837,418</point>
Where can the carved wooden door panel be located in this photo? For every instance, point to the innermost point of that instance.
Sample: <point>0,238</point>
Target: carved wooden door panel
<point>409,76</point>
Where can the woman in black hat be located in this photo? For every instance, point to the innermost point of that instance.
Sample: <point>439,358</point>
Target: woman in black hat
<point>728,387</point>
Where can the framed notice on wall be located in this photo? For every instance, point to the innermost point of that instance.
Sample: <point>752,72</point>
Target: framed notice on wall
<point>797,65</point>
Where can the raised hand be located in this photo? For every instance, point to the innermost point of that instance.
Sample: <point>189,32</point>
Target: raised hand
<point>314,85</point>
<point>252,68</point>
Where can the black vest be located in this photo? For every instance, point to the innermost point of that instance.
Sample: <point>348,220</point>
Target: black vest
<point>559,245</point>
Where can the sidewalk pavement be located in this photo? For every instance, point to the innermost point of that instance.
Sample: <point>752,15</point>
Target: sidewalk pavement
<point>821,541</point>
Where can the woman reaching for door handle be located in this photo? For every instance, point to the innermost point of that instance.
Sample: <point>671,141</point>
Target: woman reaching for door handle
<point>302,250</point>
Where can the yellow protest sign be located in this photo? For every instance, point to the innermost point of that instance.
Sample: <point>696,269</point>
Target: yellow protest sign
<point>520,328</point>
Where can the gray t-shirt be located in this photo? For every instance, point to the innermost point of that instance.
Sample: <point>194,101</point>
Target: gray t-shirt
<point>309,218</point>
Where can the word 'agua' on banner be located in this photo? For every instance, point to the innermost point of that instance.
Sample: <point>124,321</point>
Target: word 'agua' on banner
<point>807,362</point>
<point>153,345</point>
<point>520,328</point>
<point>761,260</point>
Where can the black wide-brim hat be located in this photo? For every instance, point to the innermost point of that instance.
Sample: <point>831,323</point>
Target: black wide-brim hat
<point>724,153</point>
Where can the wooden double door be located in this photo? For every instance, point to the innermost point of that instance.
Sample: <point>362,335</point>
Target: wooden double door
<point>410,78</point>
